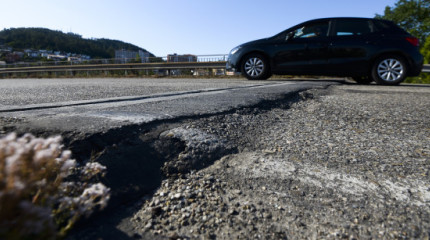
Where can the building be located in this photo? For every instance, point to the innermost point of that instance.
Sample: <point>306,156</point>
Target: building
<point>125,56</point>
<point>144,56</point>
<point>5,49</point>
<point>45,53</point>
<point>74,59</point>
<point>56,57</point>
<point>32,53</point>
<point>181,58</point>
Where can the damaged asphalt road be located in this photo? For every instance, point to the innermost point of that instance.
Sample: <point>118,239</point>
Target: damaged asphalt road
<point>348,162</point>
<point>119,121</point>
<point>338,162</point>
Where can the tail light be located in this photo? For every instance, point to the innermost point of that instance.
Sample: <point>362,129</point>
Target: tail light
<point>413,40</point>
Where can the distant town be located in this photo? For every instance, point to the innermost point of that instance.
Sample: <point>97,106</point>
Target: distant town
<point>9,55</point>
<point>20,47</point>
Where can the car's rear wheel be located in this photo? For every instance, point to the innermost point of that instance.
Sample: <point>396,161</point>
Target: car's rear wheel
<point>255,67</point>
<point>389,70</point>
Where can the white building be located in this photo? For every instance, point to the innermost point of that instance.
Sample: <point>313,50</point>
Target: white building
<point>125,56</point>
<point>144,56</point>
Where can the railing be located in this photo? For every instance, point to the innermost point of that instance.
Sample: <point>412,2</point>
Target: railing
<point>426,68</point>
<point>199,58</point>
<point>124,66</point>
<point>156,63</point>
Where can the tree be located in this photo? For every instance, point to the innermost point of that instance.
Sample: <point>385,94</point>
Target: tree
<point>411,15</point>
<point>426,51</point>
<point>41,38</point>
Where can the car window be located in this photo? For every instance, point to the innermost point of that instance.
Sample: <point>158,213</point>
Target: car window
<point>313,30</point>
<point>388,27</point>
<point>352,27</point>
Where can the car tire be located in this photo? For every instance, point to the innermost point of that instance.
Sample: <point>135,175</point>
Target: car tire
<point>363,80</point>
<point>389,70</point>
<point>255,67</point>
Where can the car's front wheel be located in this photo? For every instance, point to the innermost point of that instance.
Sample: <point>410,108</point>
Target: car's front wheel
<point>389,70</point>
<point>255,67</point>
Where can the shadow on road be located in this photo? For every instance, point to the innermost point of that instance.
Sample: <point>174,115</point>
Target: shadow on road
<point>133,170</point>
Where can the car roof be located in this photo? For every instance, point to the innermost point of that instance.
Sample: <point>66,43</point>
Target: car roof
<point>328,19</point>
<point>340,18</point>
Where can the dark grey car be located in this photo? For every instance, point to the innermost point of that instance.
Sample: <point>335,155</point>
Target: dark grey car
<point>362,48</point>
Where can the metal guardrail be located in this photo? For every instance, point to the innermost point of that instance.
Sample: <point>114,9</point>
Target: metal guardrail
<point>125,66</point>
<point>426,68</point>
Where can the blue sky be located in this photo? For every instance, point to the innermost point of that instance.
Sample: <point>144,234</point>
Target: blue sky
<point>179,26</point>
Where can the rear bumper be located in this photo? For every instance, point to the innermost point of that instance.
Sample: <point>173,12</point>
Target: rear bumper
<point>416,65</point>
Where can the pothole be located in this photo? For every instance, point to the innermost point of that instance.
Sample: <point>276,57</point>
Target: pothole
<point>199,150</point>
<point>139,156</point>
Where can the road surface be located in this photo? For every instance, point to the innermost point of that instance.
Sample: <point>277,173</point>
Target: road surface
<point>95,105</point>
<point>235,159</point>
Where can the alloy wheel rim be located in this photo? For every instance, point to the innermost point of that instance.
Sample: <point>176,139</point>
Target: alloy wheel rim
<point>390,70</point>
<point>254,67</point>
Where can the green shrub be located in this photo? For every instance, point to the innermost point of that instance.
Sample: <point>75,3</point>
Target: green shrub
<point>423,78</point>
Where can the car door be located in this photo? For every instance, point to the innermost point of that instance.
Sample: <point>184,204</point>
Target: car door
<point>350,42</point>
<point>304,49</point>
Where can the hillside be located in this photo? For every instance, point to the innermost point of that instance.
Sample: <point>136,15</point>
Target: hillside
<point>42,38</point>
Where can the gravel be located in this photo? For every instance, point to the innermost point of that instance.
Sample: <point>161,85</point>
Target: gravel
<point>350,162</point>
